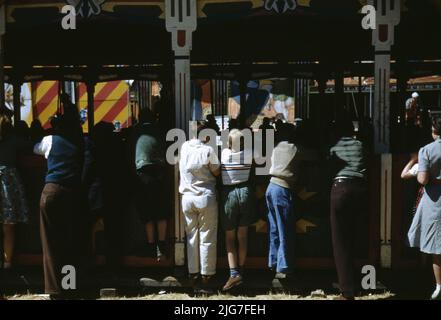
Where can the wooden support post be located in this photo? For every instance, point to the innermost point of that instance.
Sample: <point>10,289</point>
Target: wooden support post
<point>2,54</point>
<point>339,102</point>
<point>322,114</point>
<point>181,22</point>
<point>387,18</point>
<point>243,103</point>
<point>360,102</point>
<point>17,101</point>
<point>90,106</point>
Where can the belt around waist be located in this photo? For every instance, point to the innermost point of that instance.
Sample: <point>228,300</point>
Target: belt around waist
<point>240,185</point>
<point>349,179</point>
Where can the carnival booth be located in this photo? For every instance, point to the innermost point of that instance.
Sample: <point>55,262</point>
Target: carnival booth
<point>236,59</point>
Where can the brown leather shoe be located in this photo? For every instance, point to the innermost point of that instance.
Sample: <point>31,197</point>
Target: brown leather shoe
<point>194,279</point>
<point>233,282</point>
<point>205,286</point>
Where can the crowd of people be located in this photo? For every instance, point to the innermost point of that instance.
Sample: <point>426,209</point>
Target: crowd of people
<point>84,178</point>
<point>230,200</point>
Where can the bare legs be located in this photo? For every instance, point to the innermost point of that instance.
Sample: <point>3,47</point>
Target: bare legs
<point>8,244</point>
<point>237,254</point>
<point>161,227</point>
<point>437,272</point>
<point>237,247</point>
<point>151,232</point>
<point>437,268</point>
<point>162,230</point>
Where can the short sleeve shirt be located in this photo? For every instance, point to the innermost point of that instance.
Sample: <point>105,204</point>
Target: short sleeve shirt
<point>197,161</point>
<point>429,159</point>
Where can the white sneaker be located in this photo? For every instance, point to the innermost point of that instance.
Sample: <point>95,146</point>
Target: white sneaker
<point>436,295</point>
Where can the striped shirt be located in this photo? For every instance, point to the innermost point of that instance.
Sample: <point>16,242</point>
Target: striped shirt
<point>349,157</point>
<point>236,166</point>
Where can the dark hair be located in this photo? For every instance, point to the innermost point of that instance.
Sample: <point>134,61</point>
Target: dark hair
<point>286,132</point>
<point>202,125</point>
<point>54,121</point>
<point>343,126</point>
<point>146,116</point>
<point>436,124</point>
<point>36,131</point>
<point>22,129</point>
<point>69,127</point>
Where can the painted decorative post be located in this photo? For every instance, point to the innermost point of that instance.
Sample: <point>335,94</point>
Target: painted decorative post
<point>181,22</point>
<point>90,105</point>
<point>2,51</point>
<point>388,14</point>
<point>17,100</point>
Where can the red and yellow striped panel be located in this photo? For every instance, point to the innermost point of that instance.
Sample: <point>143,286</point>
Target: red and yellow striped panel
<point>45,101</point>
<point>111,102</point>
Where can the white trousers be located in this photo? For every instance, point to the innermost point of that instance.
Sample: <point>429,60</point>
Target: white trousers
<point>201,220</point>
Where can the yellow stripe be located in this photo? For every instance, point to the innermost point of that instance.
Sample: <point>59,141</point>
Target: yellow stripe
<point>44,87</point>
<point>110,101</point>
<point>123,116</point>
<point>51,108</point>
<point>49,111</point>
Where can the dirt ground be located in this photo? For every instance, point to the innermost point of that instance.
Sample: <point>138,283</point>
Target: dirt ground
<point>385,296</point>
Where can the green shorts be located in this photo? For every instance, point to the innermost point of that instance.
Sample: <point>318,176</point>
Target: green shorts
<point>237,207</point>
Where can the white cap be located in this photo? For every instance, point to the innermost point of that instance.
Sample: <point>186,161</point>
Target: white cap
<point>415,95</point>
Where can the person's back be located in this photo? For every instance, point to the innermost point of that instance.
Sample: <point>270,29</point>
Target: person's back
<point>64,162</point>
<point>197,161</point>
<point>199,166</point>
<point>432,154</point>
<point>64,153</point>
<point>350,153</point>
<point>279,199</point>
<point>236,166</point>
<point>284,162</point>
<point>149,148</point>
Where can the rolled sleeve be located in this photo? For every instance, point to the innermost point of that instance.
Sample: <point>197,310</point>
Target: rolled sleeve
<point>44,147</point>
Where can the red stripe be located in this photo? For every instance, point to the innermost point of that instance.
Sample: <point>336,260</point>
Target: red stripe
<point>82,90</point>
<point>116,109</point>
<point>46,99</point>
<point>101,97</point>
<point>36,85</point>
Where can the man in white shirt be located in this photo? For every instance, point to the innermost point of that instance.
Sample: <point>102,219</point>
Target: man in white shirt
<point>199,166</point>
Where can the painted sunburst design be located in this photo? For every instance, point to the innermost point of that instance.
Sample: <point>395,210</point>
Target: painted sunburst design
<point>280,6</point>
<point>87,8</point>
<point>255,4</point>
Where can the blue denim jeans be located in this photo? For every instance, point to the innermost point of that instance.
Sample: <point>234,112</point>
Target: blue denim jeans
<point>282,229</point>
